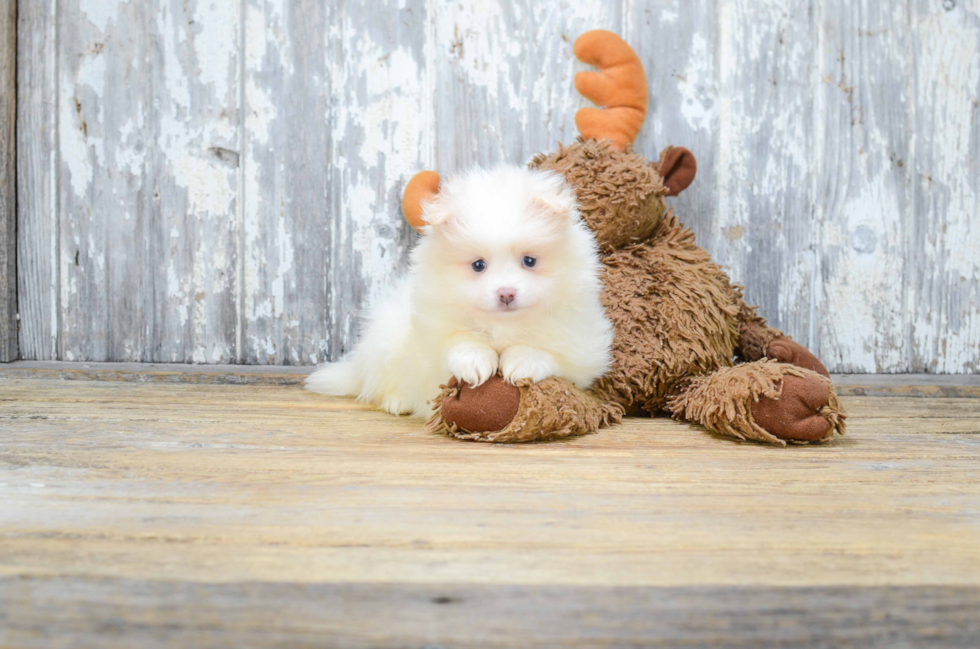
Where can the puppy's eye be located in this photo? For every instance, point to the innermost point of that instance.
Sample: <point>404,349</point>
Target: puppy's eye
<point>529,262</point>
<point>479,266</point>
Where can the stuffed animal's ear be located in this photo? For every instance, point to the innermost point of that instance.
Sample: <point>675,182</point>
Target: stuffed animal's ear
<point>423,187</point>
<point>677,167</point>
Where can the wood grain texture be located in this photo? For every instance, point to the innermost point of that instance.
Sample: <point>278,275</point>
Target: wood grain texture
<point>225,187</point>
<point>38,293</point>
<point>943,264</point>
<point>124,613</point>
<point>267,516</point>
<point>863,138</point>
<point>8,181</point>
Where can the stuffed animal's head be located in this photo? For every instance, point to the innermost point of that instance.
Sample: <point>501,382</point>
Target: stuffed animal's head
<point>620,193</point>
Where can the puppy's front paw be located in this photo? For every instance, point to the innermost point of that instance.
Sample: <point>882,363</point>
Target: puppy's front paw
<point>472,363</point>
<point>521,362</point>
<point>396,405</point>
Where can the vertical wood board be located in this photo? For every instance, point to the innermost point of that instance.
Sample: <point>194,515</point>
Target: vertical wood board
<point>8,181</point>
<point>942,259</point>
<point>863,137</point>
<point>38,283</point>
<point>324,168</point>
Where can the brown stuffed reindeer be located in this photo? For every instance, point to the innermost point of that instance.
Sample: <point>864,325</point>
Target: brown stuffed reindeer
<point>685,341</point>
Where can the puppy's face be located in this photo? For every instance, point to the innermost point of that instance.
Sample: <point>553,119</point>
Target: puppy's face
<point>498,242</point>
<point>504,276</point>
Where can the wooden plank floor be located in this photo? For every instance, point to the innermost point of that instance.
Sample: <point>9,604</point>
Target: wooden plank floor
<point>172,514</point>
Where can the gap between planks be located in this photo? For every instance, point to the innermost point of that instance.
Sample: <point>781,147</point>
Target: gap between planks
<point>870,385</point>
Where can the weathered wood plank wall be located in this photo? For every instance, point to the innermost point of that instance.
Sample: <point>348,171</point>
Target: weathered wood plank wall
<point>217,181</point>
<point>8,181</point>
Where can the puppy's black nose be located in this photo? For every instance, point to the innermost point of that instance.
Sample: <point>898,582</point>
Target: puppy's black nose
<point>506,295</point>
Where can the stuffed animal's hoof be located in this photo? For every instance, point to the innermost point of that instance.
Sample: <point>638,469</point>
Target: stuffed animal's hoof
<point>484,409</point>
<point>498,411</point>
<point>796,415</point>
<point>787,350</point>
<point>766,401</point>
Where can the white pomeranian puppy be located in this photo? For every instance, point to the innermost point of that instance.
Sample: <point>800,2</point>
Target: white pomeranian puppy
<point>505,278</point>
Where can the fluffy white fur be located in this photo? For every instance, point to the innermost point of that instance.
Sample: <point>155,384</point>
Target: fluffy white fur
<point>444,318</point>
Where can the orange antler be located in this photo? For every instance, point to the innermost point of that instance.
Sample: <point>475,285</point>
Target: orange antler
<point>422,187</point>
<point>620,87</point>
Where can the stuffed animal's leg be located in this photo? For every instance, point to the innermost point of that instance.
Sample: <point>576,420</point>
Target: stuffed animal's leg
<point>497,411</point>
<point>765,401</point>
<point>757,340</point>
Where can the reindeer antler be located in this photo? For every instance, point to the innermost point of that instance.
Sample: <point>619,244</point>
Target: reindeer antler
<point>620,87</point>
<point>422,187</point>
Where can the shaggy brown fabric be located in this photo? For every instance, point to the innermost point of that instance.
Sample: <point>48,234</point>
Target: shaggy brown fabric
<point>753,332</point>
<point>787,350</point>
<point>619,192</point>
<point>486,408</point>
<point>674,316</point>
<point>550,409</point>
<point>725,401</point>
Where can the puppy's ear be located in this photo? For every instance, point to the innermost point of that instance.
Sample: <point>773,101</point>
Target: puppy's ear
<point>435,211</point>
<point>420,193</point>
<point>554,201</point>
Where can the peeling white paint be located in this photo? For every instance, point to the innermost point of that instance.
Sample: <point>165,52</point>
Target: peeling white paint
<point>79,142</point>
<point>130,155</point>
<point>175,77</point>
<point>865,279</point>
<point>217,53</point>
<point>732,154</point>
<point>176,292</point>
<point>946,326</point>
<point>697,107</point>
<point>72,144</point>
<point>284,269</point>
<point>101,12</point>
<point>261,113</point>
